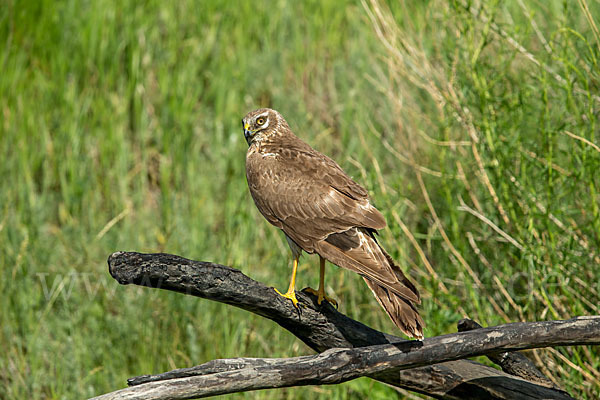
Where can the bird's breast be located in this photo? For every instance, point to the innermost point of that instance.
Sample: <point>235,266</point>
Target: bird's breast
<point>263,168</point>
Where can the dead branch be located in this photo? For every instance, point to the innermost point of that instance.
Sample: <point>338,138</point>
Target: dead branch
<point>359,351</point>
<point>512,363</point>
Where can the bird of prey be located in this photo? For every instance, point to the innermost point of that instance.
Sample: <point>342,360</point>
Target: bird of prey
<point>322,210</point>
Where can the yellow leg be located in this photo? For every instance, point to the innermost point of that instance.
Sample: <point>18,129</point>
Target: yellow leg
<point>321,292</point>
<point>291,292</point>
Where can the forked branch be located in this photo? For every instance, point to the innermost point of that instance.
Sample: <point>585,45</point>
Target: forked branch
<point>356,350</point>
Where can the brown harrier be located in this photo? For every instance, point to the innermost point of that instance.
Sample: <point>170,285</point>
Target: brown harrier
<point>322,210</point>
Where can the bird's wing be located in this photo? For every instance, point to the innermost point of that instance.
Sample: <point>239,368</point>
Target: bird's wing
<point>317,205</point>
<point>307,194</point>
<point>357,250</point>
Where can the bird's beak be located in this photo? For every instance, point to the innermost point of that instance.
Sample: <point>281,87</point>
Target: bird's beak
<point>248,133</point>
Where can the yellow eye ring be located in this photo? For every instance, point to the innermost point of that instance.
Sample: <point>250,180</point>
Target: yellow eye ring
<point>260,121</point>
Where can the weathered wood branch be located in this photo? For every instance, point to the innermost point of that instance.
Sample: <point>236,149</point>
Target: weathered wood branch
<point>340,365</point>
<point>322,328</point>
<point>512,363</point>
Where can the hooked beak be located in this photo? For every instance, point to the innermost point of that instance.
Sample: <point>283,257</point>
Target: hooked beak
<point>248,134</point>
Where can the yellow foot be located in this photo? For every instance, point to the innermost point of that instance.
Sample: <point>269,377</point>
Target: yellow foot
<point>290,295</point>
<point>321,296</point>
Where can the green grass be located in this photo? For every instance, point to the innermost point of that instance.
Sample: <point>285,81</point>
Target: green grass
<point>120,130</point>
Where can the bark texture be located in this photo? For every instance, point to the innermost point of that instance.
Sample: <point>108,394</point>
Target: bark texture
<point>348,348</point>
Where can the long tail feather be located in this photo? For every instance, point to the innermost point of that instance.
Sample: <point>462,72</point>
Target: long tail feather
<point>402,312</point>
<point>358,251</point>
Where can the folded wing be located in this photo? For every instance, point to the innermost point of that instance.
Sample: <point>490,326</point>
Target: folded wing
<point>320,208</point>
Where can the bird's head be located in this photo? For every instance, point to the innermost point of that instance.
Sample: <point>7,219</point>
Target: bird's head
<point>260,124</point>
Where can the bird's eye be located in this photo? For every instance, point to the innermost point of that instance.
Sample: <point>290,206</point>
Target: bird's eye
<point>260,121</point>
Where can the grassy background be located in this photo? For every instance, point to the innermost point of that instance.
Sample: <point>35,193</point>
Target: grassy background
<point>475,130</point>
